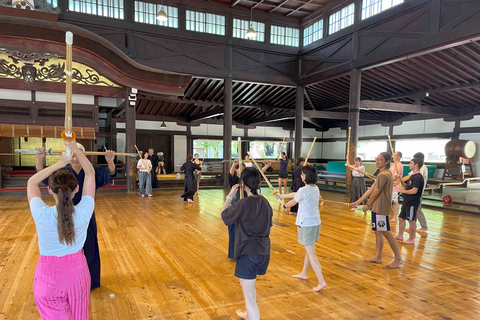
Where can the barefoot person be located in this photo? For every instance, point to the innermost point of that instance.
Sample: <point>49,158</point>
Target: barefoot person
<point>283,174</point>
<point>62,280</point>
<point>308,222</point>
<point>189,183</point>
<point>358,188</point>
<point>412,195</point>
<point>144,167</point>
<point>253,220</point>
<point>103,176</point>
<point>397,178</point>
<point>380,202</point>
<point>198,173</point>
<point>297,182</point>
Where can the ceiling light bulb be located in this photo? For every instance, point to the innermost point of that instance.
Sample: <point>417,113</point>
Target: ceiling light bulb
<point>162,15</point>
<point>250,33</point>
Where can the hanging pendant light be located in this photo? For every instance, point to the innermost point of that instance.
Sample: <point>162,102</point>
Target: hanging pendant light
<point>163,125</point>
<point>162,15</point>
<point>251,32</point>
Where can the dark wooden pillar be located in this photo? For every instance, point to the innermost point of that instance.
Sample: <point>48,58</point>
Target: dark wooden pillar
<point>227,128</point>
<point>299,121</point>
<point>131,137</point>
<point>245,144</point>
<point>189,140</point>
<point>353,118</point>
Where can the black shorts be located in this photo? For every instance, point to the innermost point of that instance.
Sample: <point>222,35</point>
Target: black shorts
<point>251,265</point>
<point>409,212</point>
<point>283,175</point>
<point>380,222</point>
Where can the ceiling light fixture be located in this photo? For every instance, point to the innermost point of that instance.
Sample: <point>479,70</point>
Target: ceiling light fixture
<point>163,125</point>
<point>162,15</point>
<point>251,32</point>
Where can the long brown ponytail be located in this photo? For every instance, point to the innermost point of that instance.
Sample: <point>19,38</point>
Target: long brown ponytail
<point>63,183</point>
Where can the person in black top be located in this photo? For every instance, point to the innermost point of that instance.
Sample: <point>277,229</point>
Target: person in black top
<point>283,174</point>
<point>412,194</point>
<point>153,173</point>
<point>233,179</point>
<point>253,220</point>
<point>190,184</point>
<point>297,182</point>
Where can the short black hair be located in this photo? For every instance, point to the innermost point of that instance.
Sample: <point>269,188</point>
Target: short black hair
<point>251,178</point>
<point>359,159</point>
<point>311,175</point>
<point>418,161</point>
<point>399,154</point>
<point>419,155</point>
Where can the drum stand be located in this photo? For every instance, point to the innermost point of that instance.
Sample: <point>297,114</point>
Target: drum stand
<point>459,170</point>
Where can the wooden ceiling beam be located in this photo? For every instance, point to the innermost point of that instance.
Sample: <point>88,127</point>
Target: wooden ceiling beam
<point>422,93</point>
<point>401,107</point>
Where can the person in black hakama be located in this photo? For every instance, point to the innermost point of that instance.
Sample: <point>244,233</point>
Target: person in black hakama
<point>103,176</point>
<point>190,184</point>
<point>297,182</point>
<point>153,173</point>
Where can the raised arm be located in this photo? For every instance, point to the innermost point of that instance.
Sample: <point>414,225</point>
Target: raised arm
<point>232,168</point>
<point>109,157</point>
<point>40,159</point>
<point>89,182</point>
<point>33,189</point>
<point>264,168</point>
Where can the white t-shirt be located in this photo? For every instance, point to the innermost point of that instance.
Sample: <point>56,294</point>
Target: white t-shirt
<point>356,173</point>
<point>144,163</point>
<point>308,214</point>
<point>248,164</point>
<point>424,171</point>
<point>45,218</point>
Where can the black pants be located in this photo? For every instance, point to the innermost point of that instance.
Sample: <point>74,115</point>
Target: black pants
<point>92,254</point>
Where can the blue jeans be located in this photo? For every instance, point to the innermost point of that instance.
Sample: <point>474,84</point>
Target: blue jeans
<point>144,178</point>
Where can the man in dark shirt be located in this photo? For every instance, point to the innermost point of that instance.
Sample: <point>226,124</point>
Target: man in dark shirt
<point>154,159</point>
<point>412,194</point>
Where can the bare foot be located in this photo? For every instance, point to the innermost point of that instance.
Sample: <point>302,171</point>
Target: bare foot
<point>242,314</point>
<point>395,264</point>
<point>393,220</point>
<point>143,196</point>
<point>353,209</point>
<point>408,241</point>
<point>299,276</point>
<point>150,195</point>
<point>399,237</point>
<point>322,202</point>
<point>374,260</point>
<point>292,213</point>
<point>196,193</point>
<point>320,287</point>
<point>189,201</point>
<point>422,230</point>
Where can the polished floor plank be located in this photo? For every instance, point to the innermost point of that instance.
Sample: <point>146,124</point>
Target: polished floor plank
<point>164,259</point>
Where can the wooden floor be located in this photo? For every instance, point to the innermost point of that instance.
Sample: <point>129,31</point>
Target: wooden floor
<point>163,259</point>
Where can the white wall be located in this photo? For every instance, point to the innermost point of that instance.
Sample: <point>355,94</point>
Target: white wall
<point>475,122</point>
<point>179,151</point>
<point>372,130</point>
<point>24,95</point>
